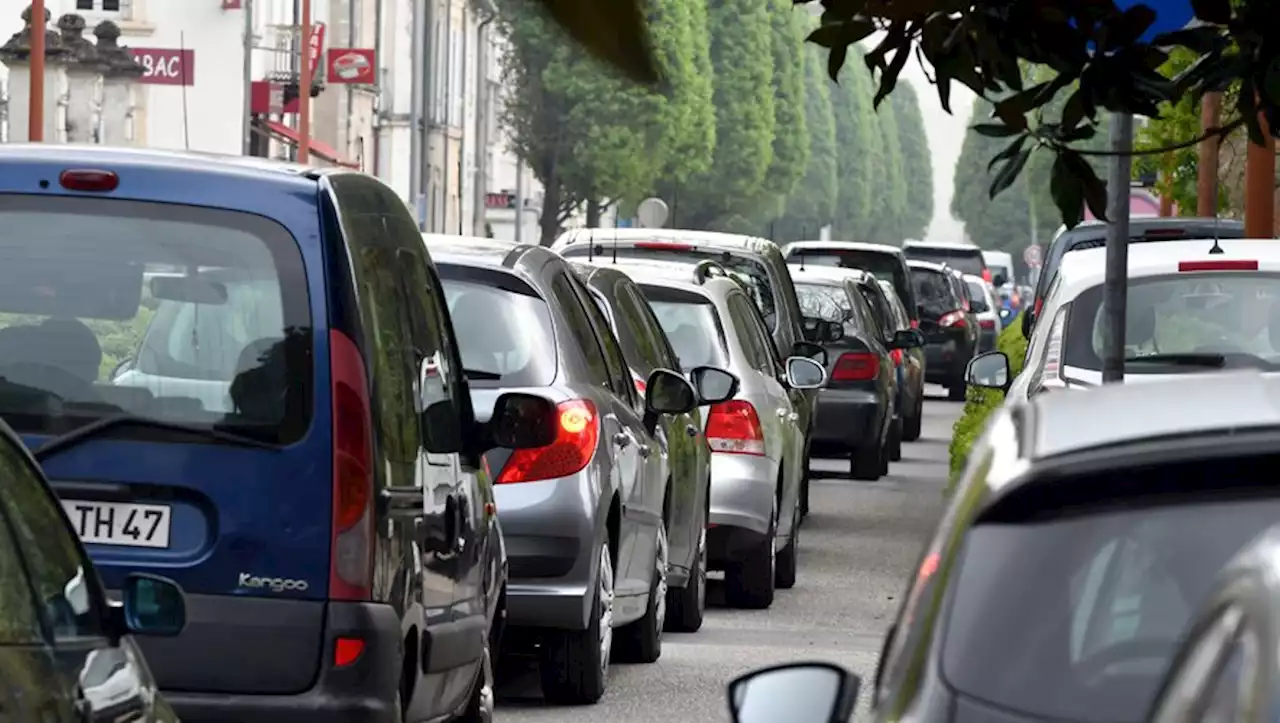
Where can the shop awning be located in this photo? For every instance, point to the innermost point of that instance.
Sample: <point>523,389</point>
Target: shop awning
<point>290,135</point>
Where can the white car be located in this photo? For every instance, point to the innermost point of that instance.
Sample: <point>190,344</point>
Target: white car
<point>1193,307</point>
<point>985,305</point>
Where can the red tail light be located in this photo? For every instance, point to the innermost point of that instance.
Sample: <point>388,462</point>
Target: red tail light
<point>663,246</point>
<point>1225,265</point>
<point>986,275</point>
<point>575,445</point>
<point>896,356</point>
<point>915,323</point>
<point>640,386</point>
<point>351,533</point>
<point>987,323</point>
<point>953,320</point>
<point>856,367</point>
<point>1039,305</point>
<point>347,651</point>
<point>87,179</point>
<point>734,427</point>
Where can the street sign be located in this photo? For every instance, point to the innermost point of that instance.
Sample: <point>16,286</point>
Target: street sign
<point>1171,15</point>
<point>652,212</point>
<point>1032,256</point>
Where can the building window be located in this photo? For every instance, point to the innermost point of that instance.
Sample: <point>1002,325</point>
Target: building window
<point>120,8</point>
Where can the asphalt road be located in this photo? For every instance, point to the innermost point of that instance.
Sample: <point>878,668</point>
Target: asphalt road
<point>855,551</point>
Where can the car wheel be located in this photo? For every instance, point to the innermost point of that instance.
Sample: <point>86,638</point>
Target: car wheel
<point>641,641</point>
<point>803,503</point>
<point>865,463</point>
<point>895,440</point>
<point>785,571</point>
<point>685,605</point>
<point>956,392</point>
<point>480,708</point>
<point>749,580</point>
<point>575,663</point>
<point>911,426</point>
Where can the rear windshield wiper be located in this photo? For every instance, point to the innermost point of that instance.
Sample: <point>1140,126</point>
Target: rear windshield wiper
<point>94,428</point>
<point>481,375</point>
<point>1207,360</point>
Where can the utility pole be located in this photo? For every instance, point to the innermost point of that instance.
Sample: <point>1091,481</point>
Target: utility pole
<point>1207,166</point>
<point>304,86</point>
<point>246,128</point>
<point>35,98</point>
<point>1115,283</point>
<point>1260,186</point>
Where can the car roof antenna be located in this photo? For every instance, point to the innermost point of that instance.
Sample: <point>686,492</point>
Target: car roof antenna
<point>591,247</point>
<point>802,259</point>
<point>1217,248</point>
<point>615,247</point>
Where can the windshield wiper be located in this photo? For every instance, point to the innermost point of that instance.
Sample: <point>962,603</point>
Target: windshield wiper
<point>94,428</point>
<point>1206,360</point>
<point>481,375</point>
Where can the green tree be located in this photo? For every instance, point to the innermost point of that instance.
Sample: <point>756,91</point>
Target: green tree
<point>685,52</point>
<point>742,59</point>
<point>890,189</point>
<point>790,128</point>
<point>812,204</point>
<point>917,164</point>
<point>857,150</point>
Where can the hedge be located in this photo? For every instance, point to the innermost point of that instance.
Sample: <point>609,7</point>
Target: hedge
<point>980,403</point>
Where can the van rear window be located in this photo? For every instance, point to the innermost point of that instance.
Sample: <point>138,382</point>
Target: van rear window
<point>886,267</point>
<point>969,261</point>
<point>186,315</point>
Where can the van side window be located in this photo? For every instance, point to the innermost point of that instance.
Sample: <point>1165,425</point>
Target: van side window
<point>435,355</point>
<point>61,576</point>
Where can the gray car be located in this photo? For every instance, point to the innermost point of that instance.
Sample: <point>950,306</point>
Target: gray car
<point>583,516</point>
<point>757,448</point>
<point>646,348</point>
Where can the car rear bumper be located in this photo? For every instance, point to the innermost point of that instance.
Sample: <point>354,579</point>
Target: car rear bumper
<point>850,417</point>
<point>361,692</point>
<point>945,361</point>
<point>550,529</point>
<point>743,488</point>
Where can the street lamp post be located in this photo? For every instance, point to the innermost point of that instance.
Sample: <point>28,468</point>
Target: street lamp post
<point>304,86</point>
<point>35,97</point>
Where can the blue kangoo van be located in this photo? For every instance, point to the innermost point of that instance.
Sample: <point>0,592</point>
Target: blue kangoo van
<point>242,375</point>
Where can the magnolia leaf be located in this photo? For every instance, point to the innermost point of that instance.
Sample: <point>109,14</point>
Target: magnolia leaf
<point>1009,172</point>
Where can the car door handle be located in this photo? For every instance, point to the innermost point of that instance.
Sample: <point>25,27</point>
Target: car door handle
<point>792,417</point>
<point>622,440</point>
<point>691,430</point>
<point>782,413</point>
<point>643,449</point>
<point>404,501</point>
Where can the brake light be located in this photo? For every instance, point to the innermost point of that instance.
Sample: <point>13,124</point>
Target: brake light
<point>856,366</point>
<point>347,651</point>
<point>88,179</point>
<point>986,275</point>
<point>1039,305</point>
<point>733,427</point>
<point>953,320</point>
<point>1164,233</point>
<point>577,435</point>
<point>640,386</point>
<point>987,323</point>
<point>915,323</point>
<point>1223,265</point>
<point>352,528</point>
<point>896,356</point>
<point>664,246</point>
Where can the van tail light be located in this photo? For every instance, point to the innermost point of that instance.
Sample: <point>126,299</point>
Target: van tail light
<point>896,356</point>
<point>986,275</point>
<point>953,320</point>
<point>1224,265</point>
<point>987,323</point>
<point>88,180</point>
<point>577,435</point>
<point>663,246</point>
<point>352,530</point>
<point>1039,305</point>
<point>347,651</point>
<point>856,366</point>
<point>734,427</point>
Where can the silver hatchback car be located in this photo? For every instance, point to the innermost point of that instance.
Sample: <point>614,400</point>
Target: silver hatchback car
<point>757,446</point>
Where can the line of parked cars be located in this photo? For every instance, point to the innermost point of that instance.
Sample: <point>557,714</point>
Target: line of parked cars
<point>328,468</point>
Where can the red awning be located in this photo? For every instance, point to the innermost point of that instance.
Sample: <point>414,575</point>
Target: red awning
<point>323,150</point>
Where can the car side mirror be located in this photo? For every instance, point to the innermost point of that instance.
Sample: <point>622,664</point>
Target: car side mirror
<point>1000,280</point>
<point>667,392</point>
<point>989,371</point>
<point>811,350</point>
<point>805,373</point>
<point>714,385</point>
<point>523,421</point>
<point>832,331</point>
<point>1028,322</point>
<point>812,328</point>
<point>152,605</point>
<point>907,339</point>
<point>796,693</point>
<point>441,428</point>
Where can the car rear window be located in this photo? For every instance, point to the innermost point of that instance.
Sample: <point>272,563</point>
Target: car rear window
<point>1077,617</point>
<point>977,296</point>
<point>189,315</point>
<point>819,301</point>
<point>969,261</point>
<point>503,326</point>
<point>692,326</point>
<point>1232,314</point>
<point>751,273</point>
<point>934,292</point>
<point>885,266</point>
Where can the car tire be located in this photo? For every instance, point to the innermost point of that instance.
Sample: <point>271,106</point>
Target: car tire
<point>865,464</point>
<point>575,663</point>
<point>480,707</point>
<point>956,392</point>
<point>803,503</point>
<point>641,641</point>
<point>895,440</point>
<point>911,426</point>
<point>686,605</point>
<point>784,576</point>
<point>749,580</point>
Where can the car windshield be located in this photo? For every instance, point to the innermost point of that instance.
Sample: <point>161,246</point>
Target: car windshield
<point>881,265</point>
<point>968,261</point>
<point>504,331</point>
<point>1233,314</point>
<point>1077,618</point>
<point>691,324</point>
<point>823,302</point>
<point>187,315</point>
<point>749,272</point>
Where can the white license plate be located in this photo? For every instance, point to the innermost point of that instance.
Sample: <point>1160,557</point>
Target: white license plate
<point>119,523</point>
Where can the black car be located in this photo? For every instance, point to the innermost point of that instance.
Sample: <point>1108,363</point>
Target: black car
<point>1079,545</point>
<point>950,332</point>
<point>887,263</point>
<point>963,257</point>
<point>907,403</point>
<point>911,364</point>
<point>1093,234</point>
<point>856,409</point>
<point>67,651</point>
<point>646,348</point>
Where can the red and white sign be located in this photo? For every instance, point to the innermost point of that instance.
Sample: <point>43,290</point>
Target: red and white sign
<point>1032,256</point>
<point>351,65</point>
<point>166,66</point>
<point>231,4</point>
<point>317,48</point>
